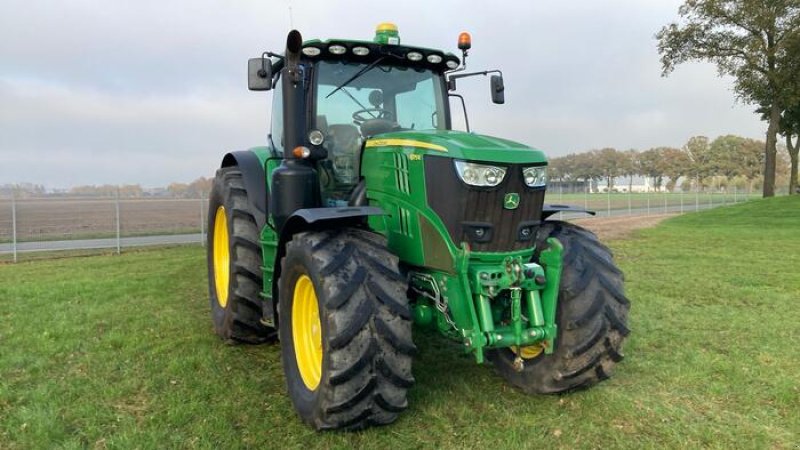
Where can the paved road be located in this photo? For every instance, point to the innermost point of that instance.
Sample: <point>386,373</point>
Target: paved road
<point>139,241</point>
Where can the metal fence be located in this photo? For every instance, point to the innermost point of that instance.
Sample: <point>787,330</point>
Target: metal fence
<point>35,225</point>
<point>31,226</point>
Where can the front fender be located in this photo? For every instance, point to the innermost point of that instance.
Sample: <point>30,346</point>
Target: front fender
<point>255,181</point>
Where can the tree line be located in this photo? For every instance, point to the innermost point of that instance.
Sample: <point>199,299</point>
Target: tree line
<point>200,187</point>
<point>700,164</point>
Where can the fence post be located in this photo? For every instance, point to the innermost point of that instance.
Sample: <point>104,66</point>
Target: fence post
<point>735,196</point>
<point>586,196</point>
<point>696,199</point>
<point>14,223</point>
<point>202,222</point>
<point>665,201</point>
<point>116,208</point>
<point>608,200</point>
<point>681,199</point>
<point>630,209</point>
<point>648,202</point>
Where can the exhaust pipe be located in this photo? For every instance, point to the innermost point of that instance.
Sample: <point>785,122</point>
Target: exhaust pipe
<point>295,184</point>
<point>294,92</point>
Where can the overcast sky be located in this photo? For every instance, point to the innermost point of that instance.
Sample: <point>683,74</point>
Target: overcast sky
<point>150,92</point>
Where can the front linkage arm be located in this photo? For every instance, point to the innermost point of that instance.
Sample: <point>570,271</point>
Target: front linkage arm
<point>530,293</point>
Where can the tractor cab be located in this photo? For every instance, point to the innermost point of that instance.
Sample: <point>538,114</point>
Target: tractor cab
<point>349,91</point>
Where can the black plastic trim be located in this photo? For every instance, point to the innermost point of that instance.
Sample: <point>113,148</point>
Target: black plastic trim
<point>312,215</point>
<point>550,209</point>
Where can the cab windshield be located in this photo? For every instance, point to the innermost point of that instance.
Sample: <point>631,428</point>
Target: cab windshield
<point>403,98</point>
<point>383,99</point>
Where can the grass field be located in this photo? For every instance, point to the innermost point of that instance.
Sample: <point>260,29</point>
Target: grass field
<point>118,352</point>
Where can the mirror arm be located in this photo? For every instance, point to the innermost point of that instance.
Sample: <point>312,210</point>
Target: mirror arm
<point>451,80</point>
<point>264,58</point>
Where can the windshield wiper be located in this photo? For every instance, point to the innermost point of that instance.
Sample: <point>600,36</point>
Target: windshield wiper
<point>358,74</point>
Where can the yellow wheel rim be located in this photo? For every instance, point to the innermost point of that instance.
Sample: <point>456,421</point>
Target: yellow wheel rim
<point>529,352</point>
<point>222,256</point>
<point>307,332</point>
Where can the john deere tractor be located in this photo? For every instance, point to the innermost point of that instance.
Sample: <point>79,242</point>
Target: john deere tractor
<point>366,212</point>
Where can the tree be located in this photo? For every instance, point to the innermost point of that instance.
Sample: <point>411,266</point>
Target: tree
<point>746,39</point>
<point>675,163</point>
<point>651,165</point>
<point>179,190</point>
<point>200,187</point>
<point>733,156</point>
<point>791,127</point>
<point>698,151</point>
<point>632,166</point>
<point>611,164</point>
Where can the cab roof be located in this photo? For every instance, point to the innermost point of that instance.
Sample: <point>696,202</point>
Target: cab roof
<point>350,50</point>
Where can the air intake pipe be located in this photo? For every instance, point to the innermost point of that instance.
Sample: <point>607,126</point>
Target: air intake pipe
<point>295,184</point>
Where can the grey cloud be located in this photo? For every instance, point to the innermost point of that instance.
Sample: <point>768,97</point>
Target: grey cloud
<point>153,92</point>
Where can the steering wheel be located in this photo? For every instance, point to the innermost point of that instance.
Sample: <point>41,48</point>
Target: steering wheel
<point>359,118</point>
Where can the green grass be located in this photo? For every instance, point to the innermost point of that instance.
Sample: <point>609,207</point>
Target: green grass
<point>118,351</point>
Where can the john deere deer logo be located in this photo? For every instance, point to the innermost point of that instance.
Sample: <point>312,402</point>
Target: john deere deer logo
<point>511,201</point>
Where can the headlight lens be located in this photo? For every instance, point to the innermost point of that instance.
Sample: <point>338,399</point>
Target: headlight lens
<point>479,174</point>
<point>535,176</point>
<point>337,49</point>
<point>434,59</point>
<point>414,56</point>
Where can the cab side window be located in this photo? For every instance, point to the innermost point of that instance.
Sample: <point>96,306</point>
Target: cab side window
<point>276,130</point>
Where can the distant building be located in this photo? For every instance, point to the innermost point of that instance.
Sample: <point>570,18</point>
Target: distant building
<point>571,186</point>
<point>640,185</point>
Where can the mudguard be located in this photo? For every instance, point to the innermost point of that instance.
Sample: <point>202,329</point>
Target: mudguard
<point>549,209</point>
<point>255,181</point>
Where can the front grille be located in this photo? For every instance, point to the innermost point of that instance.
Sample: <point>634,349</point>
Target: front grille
<point>476,215</point>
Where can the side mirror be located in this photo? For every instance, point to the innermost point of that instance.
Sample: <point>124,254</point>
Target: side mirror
<point>259,74</point>
<point>498,89</point>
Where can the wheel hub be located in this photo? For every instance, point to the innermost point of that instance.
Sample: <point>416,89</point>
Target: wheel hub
<point>307,332</point>
<point>222,256</point>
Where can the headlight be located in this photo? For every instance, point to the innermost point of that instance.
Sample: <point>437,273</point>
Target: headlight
<point>337,49</point>
<point>414,56</point>
<point>479,174</point>
<point>311,51</point>
<point>535,176</point>
<point>434,59</point>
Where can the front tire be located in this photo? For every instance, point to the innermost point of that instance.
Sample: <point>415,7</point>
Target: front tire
<point>234,262</point>
<point>591,316</point>
<point>345,329</point>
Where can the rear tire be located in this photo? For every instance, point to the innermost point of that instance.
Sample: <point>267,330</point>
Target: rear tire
<point>234,256</point>
<point>365,319</point>
<point>591,316</point>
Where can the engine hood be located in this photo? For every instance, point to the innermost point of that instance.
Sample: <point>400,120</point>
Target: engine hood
<point>460,145</point>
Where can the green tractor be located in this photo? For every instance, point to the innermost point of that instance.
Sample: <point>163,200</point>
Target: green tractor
<point>366,213</point>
